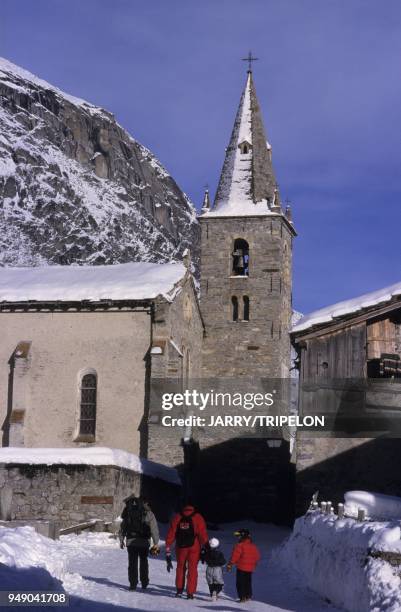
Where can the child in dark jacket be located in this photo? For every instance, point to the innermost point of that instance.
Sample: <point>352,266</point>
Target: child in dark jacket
<point>215,561</point>
<point>245,556</point>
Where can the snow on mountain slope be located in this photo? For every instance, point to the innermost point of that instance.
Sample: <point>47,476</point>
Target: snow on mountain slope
<point>76,187</point>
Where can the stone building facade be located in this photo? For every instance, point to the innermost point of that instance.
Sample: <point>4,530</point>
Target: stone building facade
<point>78,351</point>
<point>62,353</point>
<point>253,343</point>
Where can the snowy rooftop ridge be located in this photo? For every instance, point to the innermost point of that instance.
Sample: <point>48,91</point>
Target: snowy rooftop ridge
<point>130,281</point>
<point>97,455</point>
<point>7,68</point>
<point>348,307</point>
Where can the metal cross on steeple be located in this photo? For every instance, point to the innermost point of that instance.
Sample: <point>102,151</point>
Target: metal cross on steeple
<point>250,59</point>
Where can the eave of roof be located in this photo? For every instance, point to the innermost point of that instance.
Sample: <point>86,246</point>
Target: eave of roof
<point>346,320</point>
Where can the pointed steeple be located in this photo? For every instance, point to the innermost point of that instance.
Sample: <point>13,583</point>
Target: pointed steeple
<point>247,183</point>
<point>206,201</point>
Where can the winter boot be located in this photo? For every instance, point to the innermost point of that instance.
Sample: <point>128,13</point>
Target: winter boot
<point>178,593</point>
<point>190,596</point>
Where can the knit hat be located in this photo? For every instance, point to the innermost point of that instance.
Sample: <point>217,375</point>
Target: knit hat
<point>213,543</point>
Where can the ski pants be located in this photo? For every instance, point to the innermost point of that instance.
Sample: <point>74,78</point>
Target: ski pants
<point>187,563</point>
<point>135,554</point>
<point>244,584</point>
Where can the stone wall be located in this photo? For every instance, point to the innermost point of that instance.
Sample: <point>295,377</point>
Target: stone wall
<point>178,333</point>
<point>242,477</point>
<point>260,346</point>
<point>70,494</point>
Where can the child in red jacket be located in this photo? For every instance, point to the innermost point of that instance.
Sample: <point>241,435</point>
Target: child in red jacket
<point>245,556</point>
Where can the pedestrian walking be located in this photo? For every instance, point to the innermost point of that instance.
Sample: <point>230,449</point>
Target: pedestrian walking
<point>139,532</point>
<point>245,556</point>
<point>215,561</point>
<point>188,531</point>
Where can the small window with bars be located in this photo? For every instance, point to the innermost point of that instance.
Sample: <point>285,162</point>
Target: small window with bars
<point>87,421</point>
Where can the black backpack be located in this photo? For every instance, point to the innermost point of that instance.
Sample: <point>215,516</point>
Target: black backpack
<point>134,519</point>
<point>185,532</point>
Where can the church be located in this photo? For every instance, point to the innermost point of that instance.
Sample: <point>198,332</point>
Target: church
<point>82,345</point>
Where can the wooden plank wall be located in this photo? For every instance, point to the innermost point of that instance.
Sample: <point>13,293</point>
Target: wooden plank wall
<point>325,362</point>
<point>381,336</point>
<point>343,351</point>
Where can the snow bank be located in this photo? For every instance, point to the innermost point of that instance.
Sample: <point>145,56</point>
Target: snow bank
<point>97,455</point>
<point>376,505</point>
<point>22,548</point>
<point>131,281</point>
<point>330,556</point>
<point>347,307</point>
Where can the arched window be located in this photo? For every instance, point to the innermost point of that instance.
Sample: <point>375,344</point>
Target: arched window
<point>234,303</point>
<point>87,420</point>
<point>240,256</point>
<point>246,308</point>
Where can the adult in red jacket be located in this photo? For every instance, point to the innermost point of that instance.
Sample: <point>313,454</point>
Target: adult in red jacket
<point>188,531</point>
<point>245,556</point>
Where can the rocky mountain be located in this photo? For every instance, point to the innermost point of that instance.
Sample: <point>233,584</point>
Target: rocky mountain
<point>75,187</point>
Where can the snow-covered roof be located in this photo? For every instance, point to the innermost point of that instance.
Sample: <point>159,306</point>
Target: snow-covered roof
<point>348,307</point>
<point>130,281</point>
<point>96,455</point>
<point>238,208</point>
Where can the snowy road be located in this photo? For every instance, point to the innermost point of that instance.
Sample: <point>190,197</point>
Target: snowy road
<point>98,573</point>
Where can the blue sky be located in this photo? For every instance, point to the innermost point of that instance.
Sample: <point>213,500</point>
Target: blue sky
<point>328,80</point>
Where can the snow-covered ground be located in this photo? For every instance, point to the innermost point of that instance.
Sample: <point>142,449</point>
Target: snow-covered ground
<point>93,570</point>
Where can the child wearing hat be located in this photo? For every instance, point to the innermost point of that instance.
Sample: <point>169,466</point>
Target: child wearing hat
<point>215,562</point>
<point>245,556</point>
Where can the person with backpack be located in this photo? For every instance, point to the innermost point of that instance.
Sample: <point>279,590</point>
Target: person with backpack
<point>245,556</point>
<point>188,531</point>
<point>214,559</point>
<point>137,528</point>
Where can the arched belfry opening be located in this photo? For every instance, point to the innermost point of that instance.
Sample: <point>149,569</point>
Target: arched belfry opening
<point>240,258</point>
<point>244,147</point>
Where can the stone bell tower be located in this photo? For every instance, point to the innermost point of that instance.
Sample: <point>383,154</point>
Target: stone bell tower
<point>246,252</point>
<point>246,248</point>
